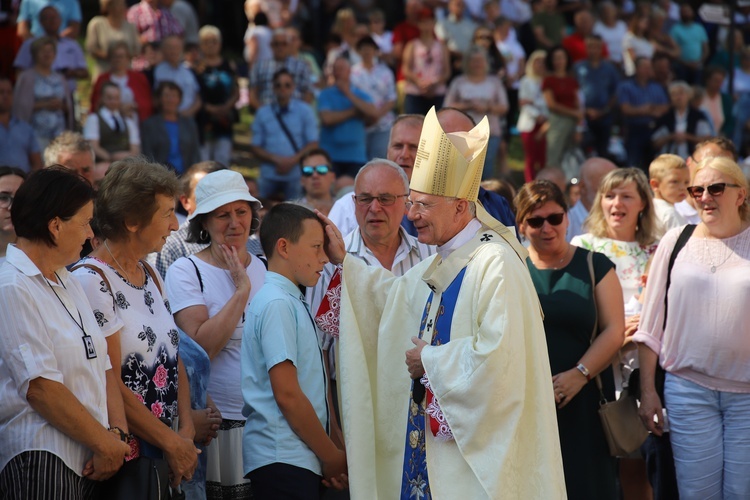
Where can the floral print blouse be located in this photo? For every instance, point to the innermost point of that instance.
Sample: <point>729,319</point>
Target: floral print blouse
<point>630,259</point>
<point>149,338</point>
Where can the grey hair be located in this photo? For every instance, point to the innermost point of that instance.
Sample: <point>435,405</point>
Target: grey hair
<point>71,142</point>
<point>387,163</point>
<point>208,31</point>
<point>474,50</point>
<point>680,84</point>
<point>281,32</point>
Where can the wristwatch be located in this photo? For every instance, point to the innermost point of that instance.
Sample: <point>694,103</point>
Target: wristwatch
<point>124,437</point>
<point>584,371</point>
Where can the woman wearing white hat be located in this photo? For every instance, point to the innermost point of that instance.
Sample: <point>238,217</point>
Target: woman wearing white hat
<point>210,291</point>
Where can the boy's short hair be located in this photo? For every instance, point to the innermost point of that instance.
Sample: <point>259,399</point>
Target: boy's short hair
<point>283,221</point>
<point>663,164</point>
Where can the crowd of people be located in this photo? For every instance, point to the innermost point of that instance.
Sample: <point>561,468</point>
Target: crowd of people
<point>376,308</point>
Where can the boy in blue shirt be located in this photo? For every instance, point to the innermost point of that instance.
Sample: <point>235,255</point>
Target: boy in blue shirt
<point>286,445</point>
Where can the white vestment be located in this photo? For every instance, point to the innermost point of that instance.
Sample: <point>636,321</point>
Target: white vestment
<point>492,379</point>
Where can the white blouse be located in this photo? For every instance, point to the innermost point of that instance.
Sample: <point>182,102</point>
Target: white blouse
<point>41,337</point>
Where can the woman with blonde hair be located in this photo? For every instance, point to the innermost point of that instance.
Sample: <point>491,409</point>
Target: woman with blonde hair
<point>532,118</point>
<point>623,227</point>
<point>702,346</point>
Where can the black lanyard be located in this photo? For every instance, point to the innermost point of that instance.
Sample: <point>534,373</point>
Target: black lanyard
<point>88,342</point>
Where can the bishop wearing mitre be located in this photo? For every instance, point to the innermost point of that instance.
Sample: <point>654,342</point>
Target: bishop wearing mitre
<point>444,379</point>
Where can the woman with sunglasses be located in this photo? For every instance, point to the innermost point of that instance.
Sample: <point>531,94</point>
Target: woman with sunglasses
<point>622,226</point>
<point>703,346</point>
<point>561,276</point>
<point>209,292</point>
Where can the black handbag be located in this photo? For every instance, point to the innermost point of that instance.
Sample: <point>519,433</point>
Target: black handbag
<point>142,478</point>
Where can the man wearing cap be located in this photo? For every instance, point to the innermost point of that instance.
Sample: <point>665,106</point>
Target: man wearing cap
<point>472,414</point>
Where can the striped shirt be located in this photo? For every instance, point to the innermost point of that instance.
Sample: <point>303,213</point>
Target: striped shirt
<point>410,253</point>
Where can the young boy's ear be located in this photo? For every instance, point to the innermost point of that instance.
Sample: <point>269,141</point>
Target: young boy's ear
<point>282,248</point>
<point>654,183</point>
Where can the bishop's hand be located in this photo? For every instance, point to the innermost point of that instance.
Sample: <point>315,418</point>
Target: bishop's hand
<point>414,358</point>
<point>335,248</point>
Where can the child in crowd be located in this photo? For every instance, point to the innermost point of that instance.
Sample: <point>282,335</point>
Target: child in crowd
<point>669,178</point>
<point>286,447</point>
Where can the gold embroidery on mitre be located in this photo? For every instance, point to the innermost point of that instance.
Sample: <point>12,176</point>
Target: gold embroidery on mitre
<point>450,164</point>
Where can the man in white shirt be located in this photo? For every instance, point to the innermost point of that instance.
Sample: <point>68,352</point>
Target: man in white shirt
<point>593,171</point>
<point>380,191</point>
<point>715,146</point>
<point>402,150</point>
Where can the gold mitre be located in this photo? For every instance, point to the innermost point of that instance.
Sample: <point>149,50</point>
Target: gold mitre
<point>450,164</point>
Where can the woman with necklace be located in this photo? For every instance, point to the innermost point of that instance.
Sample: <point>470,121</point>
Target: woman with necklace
<point>210,292</point>
<point>563,281</point>
<point>622,226</point>
<point>703,345</point>
<point>59,399</point>
<point>135,214</point>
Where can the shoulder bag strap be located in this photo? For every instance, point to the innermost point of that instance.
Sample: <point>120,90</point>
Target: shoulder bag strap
<point>197,272</point>
<point>101,275</point>
<point>286,131</point>
<point>681,241</point>
<point>152,273</point>
<point>590,262</point>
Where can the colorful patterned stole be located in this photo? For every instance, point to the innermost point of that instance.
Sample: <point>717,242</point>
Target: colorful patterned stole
<point>437,326</point>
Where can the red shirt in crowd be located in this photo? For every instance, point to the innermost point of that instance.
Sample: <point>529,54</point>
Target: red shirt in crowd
<point>564,89</point>
<point>575,44</point>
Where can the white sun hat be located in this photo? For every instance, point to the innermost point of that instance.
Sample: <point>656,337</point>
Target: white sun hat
<point>219,188</point>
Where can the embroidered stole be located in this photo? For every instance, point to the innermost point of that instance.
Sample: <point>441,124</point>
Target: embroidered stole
<point>436,324</point>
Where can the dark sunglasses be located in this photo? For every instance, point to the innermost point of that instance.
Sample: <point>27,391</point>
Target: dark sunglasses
<point>319,169</point>
<point>553,219</point>
<point>713,189</point>
<point>286,85</point>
